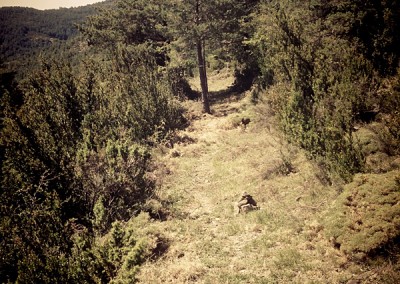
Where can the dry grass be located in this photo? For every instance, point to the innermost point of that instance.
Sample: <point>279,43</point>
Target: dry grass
<point>284,242</point>
<point>219,80</point>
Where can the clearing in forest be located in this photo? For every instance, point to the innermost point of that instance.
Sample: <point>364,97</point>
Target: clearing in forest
<point>212,162</point>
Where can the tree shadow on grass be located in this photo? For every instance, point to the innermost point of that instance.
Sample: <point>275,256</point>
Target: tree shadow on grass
<point>235,92</point>
<point>220,101</point>
<point>230,94</point>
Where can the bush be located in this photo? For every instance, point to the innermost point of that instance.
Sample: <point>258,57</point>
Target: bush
<point>365,219</point>
<point>322,80</point>
<point>115,187</point>
<point>116,256</point>
<point>74,149</point>
<point>179,85</point>
<point>390,109</point>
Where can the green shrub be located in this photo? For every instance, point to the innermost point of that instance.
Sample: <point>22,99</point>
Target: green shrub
<point>366,217</point>
<point>179,85</point>
<point>114,257</point>
<point>126,246</point>
<point>390,108</point>
<point>114,182</point>
<point>74,149</point>
<point>322,79</point>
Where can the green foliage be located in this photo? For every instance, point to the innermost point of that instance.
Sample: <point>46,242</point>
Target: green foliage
<point>320,56</point>
<point>114,182</point>
<point>374,25</point>
<point>390,104</point>
<point>26,31</point>
<point>365,219</point>
<point>129,23</point>
<point>75,151</point>
<point>40,129</point>
<point>116,257</point>
<point>141,102</point>
<point>38,139</point>
<point>75,137</point>
<point>33,238</point>
<point>99,212</point>
<point>124,252</point>
<point>75,143</point>
<point>179,85</point>
<point>221,26</point>
<point>132,243</point>
<point>217,22</point>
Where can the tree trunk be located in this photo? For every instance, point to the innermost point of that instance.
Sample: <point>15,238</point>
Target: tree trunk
<point>203,77</point>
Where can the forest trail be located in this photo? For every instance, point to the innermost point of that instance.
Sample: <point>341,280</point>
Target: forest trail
<point>213,161</point>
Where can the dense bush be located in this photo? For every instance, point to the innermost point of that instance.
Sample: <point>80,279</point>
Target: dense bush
<point>390,108</point>
<point>365,219</point>
<point>75,141</point>
<point>75,153</point>
<point>323,56</point>
<point>331,69</point>
<point>116,256</point>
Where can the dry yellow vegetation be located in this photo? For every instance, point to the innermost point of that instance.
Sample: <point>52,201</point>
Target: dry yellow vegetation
<point>212,162</point>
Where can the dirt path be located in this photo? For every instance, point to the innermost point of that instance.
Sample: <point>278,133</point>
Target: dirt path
<point>281,243</point>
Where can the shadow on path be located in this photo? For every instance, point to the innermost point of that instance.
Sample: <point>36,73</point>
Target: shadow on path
<point>230,94</point>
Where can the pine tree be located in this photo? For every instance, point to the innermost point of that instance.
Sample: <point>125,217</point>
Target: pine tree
<point>206,25</point>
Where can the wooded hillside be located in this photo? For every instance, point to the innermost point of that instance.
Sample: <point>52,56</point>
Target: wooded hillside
<point>25,31</point>
<point>96,107</point>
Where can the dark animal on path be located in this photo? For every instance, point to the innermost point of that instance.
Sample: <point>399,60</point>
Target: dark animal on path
<point>246,204</point>
<point>245,121</point>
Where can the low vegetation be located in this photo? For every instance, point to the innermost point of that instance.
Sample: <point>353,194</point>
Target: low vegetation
<point>365,219</point>
<point>113,172</point>
<point>295,235</point>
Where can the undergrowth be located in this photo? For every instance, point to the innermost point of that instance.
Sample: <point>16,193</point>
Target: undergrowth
<point>366,217</point>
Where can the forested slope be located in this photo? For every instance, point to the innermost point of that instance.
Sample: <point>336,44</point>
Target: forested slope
<point>27,31</point>
<point>99,141</point>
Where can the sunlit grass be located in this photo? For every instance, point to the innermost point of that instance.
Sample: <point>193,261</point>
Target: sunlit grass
<point>219,80</point>
<point>283,242</point>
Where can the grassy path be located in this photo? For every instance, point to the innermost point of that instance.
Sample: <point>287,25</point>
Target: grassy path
<point>214,162</point>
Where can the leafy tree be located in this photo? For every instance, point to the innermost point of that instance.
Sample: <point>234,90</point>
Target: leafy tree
<point>305,48</point>
<point>329,56</point>
<point>195,24</point>
<point>374,24</point>
<point>137,24</point>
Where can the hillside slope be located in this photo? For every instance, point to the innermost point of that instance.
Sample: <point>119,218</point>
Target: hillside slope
<point>212,163</point>
<point>25,32</point>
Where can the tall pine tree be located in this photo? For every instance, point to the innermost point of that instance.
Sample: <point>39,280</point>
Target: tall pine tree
<point>206,25</point>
